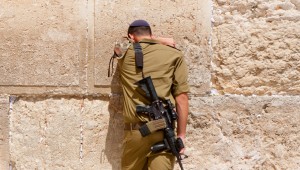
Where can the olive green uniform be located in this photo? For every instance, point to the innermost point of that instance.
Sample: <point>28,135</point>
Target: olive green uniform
<point>168,71</point>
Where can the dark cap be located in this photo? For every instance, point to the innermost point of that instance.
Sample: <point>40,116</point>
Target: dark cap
<point>139,23</point>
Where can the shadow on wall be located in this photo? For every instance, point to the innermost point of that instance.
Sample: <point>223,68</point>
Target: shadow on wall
<point>114,139</point>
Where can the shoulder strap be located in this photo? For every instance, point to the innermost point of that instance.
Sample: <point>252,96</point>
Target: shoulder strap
<point>139,57</point>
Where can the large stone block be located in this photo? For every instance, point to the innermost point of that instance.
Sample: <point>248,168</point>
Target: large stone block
<point>43,44</point>
<point>256,47</point>
<point>236,132</point>
<point>4,132</point>
<point>45,134</point>
<point>66,133</point>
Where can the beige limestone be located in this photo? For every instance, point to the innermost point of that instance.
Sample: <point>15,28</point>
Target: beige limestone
<point>4,132</point>
<point>63,133</point>
<point>46,137</point>
<point>237,132</point>
<point>43,45</point>
<point>256,47</point>
<point>66,133</point>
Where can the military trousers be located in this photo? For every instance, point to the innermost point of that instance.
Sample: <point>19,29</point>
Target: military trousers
<point>138,156</point>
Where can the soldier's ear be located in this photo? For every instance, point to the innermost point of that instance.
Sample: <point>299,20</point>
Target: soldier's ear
<point>131,36</point>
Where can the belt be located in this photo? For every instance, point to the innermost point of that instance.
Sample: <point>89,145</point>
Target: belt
<point>133,126</point>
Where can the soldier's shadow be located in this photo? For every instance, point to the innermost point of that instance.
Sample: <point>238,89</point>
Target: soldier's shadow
<point>114,139</point>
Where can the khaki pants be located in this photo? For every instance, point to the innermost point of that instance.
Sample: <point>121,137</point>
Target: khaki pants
<point>137,154</point>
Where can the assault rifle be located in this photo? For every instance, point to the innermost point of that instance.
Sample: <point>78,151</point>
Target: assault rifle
<point>160,113</point>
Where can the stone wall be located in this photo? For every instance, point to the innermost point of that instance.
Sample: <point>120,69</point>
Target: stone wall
<point>42,47</point>
<point>238,132</point>
<point>64,133</point>
<point>256,47</point>
<point>59,110</point>
<point>4,132</point>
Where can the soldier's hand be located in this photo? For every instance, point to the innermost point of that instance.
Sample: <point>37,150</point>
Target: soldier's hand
<point>183,149</point>
<point>118,50</point>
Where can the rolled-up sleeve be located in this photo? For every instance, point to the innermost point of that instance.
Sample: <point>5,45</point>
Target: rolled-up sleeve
<point>180,80</point>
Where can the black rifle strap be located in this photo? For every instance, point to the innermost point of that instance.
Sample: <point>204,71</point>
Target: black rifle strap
<point>111,65</point>
<point>139,57</point>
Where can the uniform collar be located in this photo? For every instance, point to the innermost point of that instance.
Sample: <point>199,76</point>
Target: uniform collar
<point>150,41</point>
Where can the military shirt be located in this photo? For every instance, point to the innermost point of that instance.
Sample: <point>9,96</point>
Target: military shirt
<point>164,64</point>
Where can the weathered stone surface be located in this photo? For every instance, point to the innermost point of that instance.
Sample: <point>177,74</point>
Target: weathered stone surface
<point>66,133</point>
<point>236,132</point>
<point>256,47</point>
<point>45,134</point>
<point>42,43</point>
<point>4,132</point>
<point>59,133</point>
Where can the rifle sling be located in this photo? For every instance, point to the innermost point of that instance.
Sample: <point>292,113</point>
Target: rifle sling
<point>138,55</point>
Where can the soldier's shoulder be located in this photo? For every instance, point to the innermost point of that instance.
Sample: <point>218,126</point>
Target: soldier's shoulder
<point>130,46</point>
<point>174,48</point>
<point>171,48</point>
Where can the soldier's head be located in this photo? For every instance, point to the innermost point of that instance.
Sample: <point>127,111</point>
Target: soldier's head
<point>139,29</point>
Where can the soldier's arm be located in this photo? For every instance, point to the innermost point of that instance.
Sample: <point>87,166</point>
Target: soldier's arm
<point>165,41</point>
<point>182,105</point>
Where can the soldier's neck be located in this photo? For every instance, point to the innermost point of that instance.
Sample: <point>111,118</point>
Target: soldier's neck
<point>139,38</point>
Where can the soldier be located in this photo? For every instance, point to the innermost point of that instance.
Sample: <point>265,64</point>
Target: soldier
<point>168,70</point>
